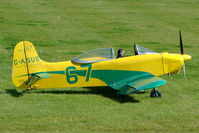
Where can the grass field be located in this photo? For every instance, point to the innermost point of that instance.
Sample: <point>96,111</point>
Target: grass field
<point>61,30</point>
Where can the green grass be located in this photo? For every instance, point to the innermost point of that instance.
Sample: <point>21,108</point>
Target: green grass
<point>61,30</point>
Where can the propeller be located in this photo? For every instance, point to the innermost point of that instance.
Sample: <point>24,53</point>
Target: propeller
<point>181,43</point>
<point>182,52</point>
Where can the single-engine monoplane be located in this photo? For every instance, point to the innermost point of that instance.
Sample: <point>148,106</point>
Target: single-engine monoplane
<point>98,67</point>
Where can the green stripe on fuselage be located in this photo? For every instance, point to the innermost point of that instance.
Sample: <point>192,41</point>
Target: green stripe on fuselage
<point>108,76</point>
<point>117,79</point>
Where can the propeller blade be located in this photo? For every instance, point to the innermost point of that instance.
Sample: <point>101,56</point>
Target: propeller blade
<point>184,71</point>
<point>181,43</point>
<point>182,52</point>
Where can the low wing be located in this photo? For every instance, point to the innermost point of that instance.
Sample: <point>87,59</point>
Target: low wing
<point>142,83</point>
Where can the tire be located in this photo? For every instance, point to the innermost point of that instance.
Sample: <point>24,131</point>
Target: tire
<point>155,93</point>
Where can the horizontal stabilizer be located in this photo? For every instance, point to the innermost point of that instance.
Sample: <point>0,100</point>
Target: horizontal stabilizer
<point>33,79</point>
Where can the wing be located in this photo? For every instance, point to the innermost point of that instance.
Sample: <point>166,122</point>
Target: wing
<point>143,83</point>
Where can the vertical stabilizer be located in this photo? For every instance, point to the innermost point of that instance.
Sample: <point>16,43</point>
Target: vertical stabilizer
<point>25,62</point>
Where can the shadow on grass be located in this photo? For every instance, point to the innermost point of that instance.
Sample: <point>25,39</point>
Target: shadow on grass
<point>103,91</point>
<point>112,94</point>
<point>14,92</point>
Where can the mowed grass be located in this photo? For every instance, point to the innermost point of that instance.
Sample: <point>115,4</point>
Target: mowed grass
<point>61,30</point>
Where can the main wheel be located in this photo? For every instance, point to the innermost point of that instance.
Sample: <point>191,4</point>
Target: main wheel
<point>155,93</point>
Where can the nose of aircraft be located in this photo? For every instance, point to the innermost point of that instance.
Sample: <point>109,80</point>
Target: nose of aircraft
<point>186,57</point>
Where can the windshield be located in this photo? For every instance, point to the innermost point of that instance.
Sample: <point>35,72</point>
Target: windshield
<point>141,50</point>
<point>96,55</point>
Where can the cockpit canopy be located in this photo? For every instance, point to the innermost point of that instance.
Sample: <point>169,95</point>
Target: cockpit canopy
<point>96,55</point>
<point>103,54</point>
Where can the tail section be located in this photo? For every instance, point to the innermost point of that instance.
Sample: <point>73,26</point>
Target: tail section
<point>25,62</point>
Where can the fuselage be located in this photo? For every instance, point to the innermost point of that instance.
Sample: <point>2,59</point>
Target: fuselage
<point>100,69</point>
<point>71,74</point>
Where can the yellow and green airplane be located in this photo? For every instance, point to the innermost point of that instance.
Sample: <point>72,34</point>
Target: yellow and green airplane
<point>95,68</point>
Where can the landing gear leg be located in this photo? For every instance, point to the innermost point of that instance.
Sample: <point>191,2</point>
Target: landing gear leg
<point>155,93</point>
